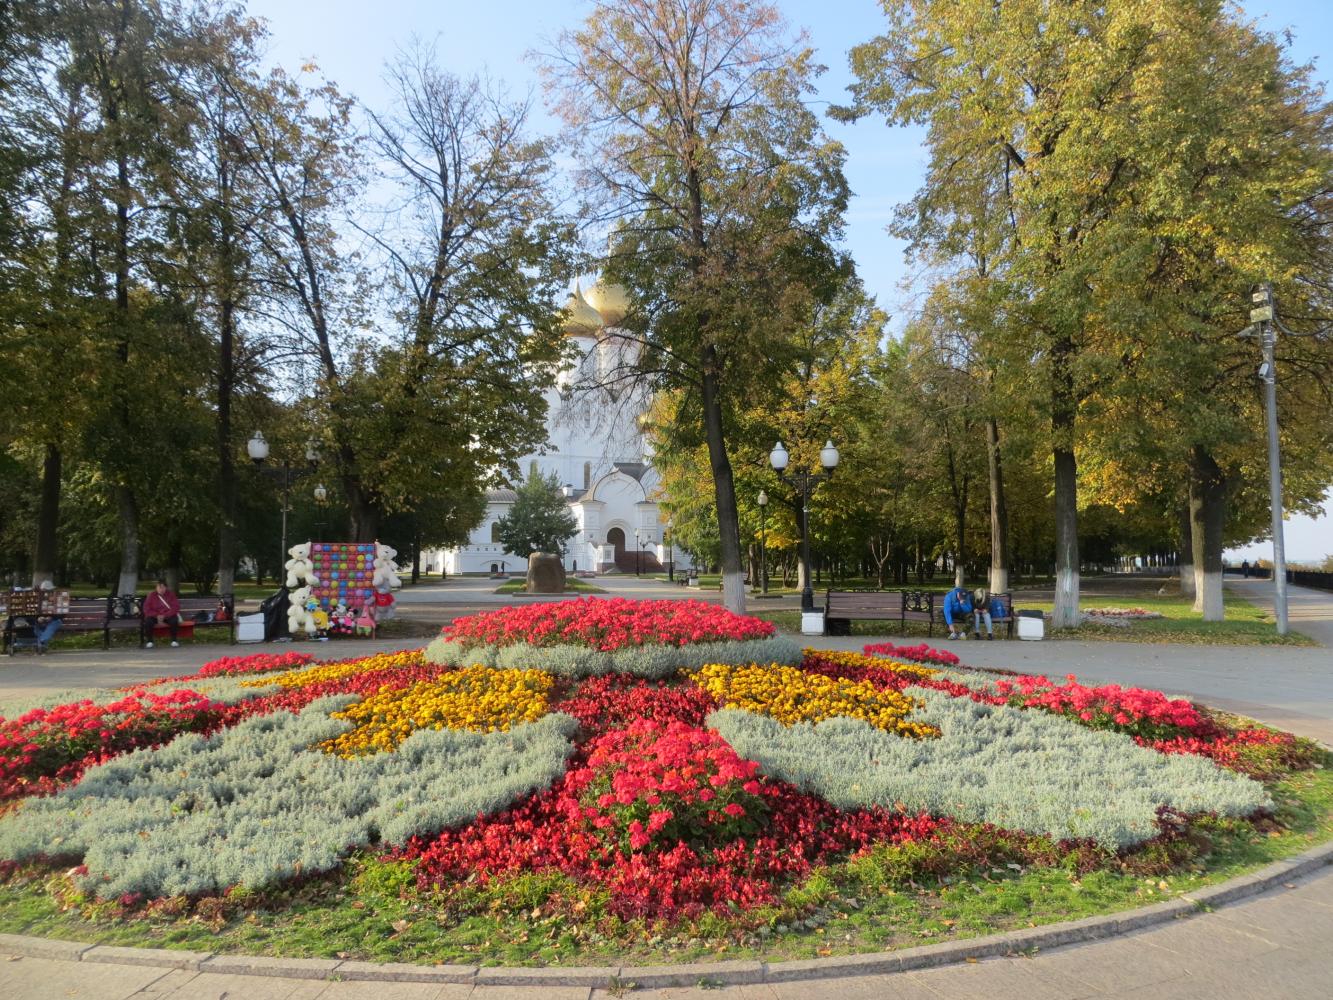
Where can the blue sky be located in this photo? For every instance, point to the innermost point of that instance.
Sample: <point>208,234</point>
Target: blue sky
<point>351,39</point>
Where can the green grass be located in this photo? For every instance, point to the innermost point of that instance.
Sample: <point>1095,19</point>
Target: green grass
<point>577,586</point>
<point>1246,624</point>
<point>884,900</point>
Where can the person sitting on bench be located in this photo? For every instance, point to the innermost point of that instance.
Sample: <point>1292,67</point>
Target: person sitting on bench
<point>957,603</point>
<point>982,611</point>
<point>161,607</point>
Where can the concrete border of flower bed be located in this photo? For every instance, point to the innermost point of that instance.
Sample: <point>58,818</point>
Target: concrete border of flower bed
<point>733,973</point>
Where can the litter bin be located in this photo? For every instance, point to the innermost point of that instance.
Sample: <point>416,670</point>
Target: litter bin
<point>1031,624</point>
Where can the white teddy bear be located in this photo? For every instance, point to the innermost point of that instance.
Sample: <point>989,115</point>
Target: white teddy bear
<point>386,573</point>
<point>300,571</point>
<point>298,618</point>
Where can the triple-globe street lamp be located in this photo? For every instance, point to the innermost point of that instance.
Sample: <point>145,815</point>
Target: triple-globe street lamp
<point>804,483</point>
<point>258,449</point>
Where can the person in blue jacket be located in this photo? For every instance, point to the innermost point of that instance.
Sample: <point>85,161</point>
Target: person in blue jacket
<point>957,604</point>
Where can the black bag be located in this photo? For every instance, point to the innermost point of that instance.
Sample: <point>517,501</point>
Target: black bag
<point>274,610</point>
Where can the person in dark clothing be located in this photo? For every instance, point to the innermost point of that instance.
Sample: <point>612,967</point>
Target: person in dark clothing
<point>161,607</point>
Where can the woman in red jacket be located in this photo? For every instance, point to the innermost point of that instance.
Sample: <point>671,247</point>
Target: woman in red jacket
<point>161,607</point>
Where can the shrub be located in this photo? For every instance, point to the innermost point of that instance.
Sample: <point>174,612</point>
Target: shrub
<point>254,804</point>
<point>1023,770</point>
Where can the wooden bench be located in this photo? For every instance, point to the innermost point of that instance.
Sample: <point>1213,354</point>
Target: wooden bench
<point>79,614</point>
<point>192,615</point>
<point>899,606</point>
<point>970,623</point>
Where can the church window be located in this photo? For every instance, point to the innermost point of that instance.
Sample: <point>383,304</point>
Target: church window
<point>587,474</point>
<point>495,531</point>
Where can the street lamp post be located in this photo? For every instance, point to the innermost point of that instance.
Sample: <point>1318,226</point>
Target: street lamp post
<point>638,552</point>
<point>671,549</point>
<point>1262,314</point>
<point>804,483</point>
<point>258,450</point>
<point>763,542</point>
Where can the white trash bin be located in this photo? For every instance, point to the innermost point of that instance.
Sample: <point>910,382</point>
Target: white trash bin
<point>812,623</point>
<point>1031,626</point>
<point>250,628</point>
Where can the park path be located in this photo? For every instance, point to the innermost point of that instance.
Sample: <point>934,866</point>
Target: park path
<point>1273,946</point>
<point>1308,610</point>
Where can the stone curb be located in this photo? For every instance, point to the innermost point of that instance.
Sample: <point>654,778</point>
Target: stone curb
<point>713,973</point>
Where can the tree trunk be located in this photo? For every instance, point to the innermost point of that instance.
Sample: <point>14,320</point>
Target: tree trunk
<point>1187,586</point>
<point>728,520</point>
<point>1066,612</point>
<point>1208,511</point>
<point>48,519</point>
<point>129,542</point>
<point>999,513</point>
<point>226,464</point>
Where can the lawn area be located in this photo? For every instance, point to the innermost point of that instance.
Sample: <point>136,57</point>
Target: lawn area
<point>572,585</point>
<point>1246,624</point>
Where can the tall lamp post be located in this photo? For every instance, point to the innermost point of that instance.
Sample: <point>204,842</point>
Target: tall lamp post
<point>671,549</point>
<point>804,483</point>
<point>1263,317</point>
<point>763,542</point>
<point>258,450</point>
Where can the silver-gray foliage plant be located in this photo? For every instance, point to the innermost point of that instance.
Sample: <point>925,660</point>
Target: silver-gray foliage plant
<point>254,804</point>
<point>1023,770</point>
<point>651,661</point>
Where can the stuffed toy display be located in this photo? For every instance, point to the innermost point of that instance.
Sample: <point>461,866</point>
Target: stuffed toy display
<point>300,570</point>
<point>298,618</point>
<point>342,621</point>
<point>320,617</point>
<point>386,573</point>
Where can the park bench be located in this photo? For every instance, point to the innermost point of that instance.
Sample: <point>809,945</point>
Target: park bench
<point>969,623</point>
<point>196,613</point>
<point>76,614</point>
<point>899,606</point>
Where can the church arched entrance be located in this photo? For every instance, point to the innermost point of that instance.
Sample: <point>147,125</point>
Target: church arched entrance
<point>616,537</point>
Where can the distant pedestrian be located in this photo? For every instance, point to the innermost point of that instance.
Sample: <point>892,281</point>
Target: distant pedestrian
<point>161,607</point>
<point>1245,569</point>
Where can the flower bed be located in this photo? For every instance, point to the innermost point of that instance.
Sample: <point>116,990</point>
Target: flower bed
<point>640,796</point>
<point>589,637</point>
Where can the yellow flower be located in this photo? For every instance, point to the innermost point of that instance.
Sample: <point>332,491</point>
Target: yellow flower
<point>476,698</point>
<point>321,672</point>
<point>790,695</point>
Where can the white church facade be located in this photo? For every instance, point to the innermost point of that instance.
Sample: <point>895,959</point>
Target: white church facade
<point>597,451</point>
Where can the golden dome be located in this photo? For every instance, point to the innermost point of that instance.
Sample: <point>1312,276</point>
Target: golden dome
<point>581,319</point>
<point>611,301</point>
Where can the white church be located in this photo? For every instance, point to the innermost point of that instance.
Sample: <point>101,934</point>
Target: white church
<point>597,451</point>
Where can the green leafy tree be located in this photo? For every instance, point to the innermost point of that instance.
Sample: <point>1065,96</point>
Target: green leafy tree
<point>540,520</point>
<point>723,195</point>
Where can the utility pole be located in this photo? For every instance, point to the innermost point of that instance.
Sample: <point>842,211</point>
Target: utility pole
<point>1263,316</point>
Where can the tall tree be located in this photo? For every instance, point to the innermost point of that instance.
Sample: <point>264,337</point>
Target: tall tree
<point>722,192</point>
<point>476,257</point>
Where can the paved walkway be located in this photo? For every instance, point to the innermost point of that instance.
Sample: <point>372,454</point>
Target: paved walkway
<point>1273,946</point>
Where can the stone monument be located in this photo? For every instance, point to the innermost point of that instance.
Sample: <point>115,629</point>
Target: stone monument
<point>546,574</point>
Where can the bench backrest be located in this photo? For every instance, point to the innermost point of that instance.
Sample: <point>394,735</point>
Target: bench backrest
<point>918,602</point>
<point>86,614</point>
<point>1007,600</point>
<point>861,603</point>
